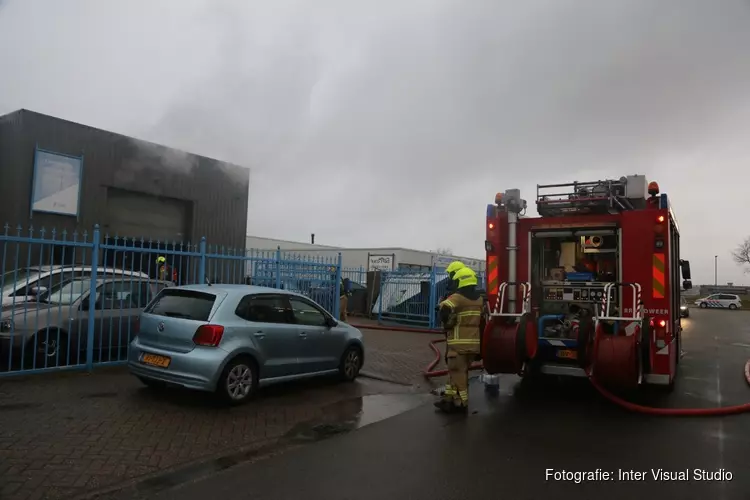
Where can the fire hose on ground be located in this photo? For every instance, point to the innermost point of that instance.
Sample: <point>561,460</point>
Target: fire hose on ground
<point>430,372</point>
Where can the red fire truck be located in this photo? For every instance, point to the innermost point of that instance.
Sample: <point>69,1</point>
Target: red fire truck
<point>590,288</point>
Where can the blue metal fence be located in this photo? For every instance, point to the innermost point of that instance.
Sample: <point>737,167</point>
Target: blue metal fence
<point>48,321</point>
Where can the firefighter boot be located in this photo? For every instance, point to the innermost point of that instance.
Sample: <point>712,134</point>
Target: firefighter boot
<point>451,407</point>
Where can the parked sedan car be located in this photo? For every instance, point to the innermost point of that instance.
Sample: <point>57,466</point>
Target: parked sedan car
<point>228,339</point>
<point>684,309</point>
<point>53,329</point>
<point>720,301</point>
<point>26,283</point>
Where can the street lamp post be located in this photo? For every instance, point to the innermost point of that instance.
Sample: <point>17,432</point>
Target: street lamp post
<point>716,269</point>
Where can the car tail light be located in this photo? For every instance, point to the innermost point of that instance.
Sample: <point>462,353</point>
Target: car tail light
<point>208,335</point>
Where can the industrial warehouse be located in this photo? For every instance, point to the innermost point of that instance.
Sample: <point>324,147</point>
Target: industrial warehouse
<point>368,259</point>
<point>71,177</point>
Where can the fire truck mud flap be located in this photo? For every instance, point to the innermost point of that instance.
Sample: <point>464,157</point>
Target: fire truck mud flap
<point>508,343</point>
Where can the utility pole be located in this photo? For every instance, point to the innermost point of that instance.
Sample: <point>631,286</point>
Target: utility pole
<point>716,270</point>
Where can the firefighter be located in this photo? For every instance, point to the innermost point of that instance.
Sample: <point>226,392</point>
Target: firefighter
<point>452,268</point>
<point>343,296</point>
<point>462,318</point>
<point>165,271</point>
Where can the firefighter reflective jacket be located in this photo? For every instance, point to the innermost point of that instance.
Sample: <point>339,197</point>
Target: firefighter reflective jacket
<point>464,323</point>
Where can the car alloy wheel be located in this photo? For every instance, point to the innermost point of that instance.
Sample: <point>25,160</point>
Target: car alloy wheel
<point>732,306</point>
<point>48,348</point>
<point>351,363</point>
<point>239,382</point>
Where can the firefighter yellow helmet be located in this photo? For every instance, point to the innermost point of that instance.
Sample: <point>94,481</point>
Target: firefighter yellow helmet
<point>465,277</point>
<point>454,266</point>
<point>161,260</point>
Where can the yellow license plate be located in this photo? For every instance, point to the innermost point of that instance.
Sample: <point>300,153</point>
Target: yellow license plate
<point>155,360</point>
<point>567,354</point>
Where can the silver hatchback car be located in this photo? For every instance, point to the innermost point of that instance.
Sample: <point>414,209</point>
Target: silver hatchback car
<point>229,338</point>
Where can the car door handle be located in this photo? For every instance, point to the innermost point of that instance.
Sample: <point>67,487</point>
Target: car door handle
<point>303,334</point>
<point>260,335</point>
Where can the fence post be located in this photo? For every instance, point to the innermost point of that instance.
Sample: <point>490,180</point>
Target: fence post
<point>92,299</point>
<point>433,298</point>
<point>383,277</point>
<point>202,262</point>
<point>278,267</point>
<point>337,289</point>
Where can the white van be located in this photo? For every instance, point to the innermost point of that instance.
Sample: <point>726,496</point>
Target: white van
<point>23,284</point>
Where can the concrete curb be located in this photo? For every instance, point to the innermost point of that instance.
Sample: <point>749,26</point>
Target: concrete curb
<point>397,328</point>
<point>381,378</point>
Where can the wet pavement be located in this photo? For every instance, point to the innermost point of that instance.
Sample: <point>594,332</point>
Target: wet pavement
<point>510,443</point>
<point>338,418</point>
<point>67,434</point>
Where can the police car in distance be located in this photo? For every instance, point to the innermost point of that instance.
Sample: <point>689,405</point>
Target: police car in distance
<point>720,301</point>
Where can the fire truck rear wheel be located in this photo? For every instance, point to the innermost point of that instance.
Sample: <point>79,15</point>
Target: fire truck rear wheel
<point>669,388</point>
<point>531,379</point>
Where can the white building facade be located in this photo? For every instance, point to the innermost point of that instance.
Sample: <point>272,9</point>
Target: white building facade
<point>367,259</point>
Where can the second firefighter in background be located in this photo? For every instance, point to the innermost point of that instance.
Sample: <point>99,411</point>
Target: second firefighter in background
<point>463,321</point>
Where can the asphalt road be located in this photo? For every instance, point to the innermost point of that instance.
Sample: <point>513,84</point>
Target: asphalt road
<point>508,443</point>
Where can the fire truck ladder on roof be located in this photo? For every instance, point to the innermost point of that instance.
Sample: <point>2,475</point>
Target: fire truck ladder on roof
<point>573,198</point>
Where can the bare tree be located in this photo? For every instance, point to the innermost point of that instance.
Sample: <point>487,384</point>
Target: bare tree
<point>443,251</point>
<point>741,254</point>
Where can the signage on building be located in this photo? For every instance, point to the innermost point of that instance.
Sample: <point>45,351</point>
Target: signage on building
<point>379,262</point>
<point>442,261</point>
<point>57,183</point>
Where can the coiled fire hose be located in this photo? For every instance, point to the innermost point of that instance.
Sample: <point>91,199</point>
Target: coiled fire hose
<point>430,372</point>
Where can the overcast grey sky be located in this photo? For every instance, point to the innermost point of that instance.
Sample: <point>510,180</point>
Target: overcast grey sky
<point>383,123</point>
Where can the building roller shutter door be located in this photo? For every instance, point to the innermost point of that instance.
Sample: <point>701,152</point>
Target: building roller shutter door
<point>136,215</point>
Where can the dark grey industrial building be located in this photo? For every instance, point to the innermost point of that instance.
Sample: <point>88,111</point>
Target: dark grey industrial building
<point>129,187</point>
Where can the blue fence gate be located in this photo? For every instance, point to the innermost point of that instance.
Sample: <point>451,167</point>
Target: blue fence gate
<point>411,297</point>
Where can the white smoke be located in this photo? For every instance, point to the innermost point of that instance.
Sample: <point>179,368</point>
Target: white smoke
<point>159,157</point>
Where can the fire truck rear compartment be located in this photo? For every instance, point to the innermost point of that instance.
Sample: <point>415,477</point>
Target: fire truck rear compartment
<point>569,270</point>
<point>560,301</point>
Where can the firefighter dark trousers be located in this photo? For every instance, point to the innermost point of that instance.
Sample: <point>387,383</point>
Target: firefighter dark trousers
<point>457,388</point>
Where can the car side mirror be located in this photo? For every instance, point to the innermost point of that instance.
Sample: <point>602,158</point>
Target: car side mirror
<point>36,291</point>
<point>330,322</point>
<point>687,285</point>
<point>86,303</point>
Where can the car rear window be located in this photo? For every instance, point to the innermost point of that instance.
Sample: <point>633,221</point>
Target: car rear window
<point>188,304</point>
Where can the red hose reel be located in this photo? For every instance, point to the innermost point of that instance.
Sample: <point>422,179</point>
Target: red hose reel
<point>508,345</point>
